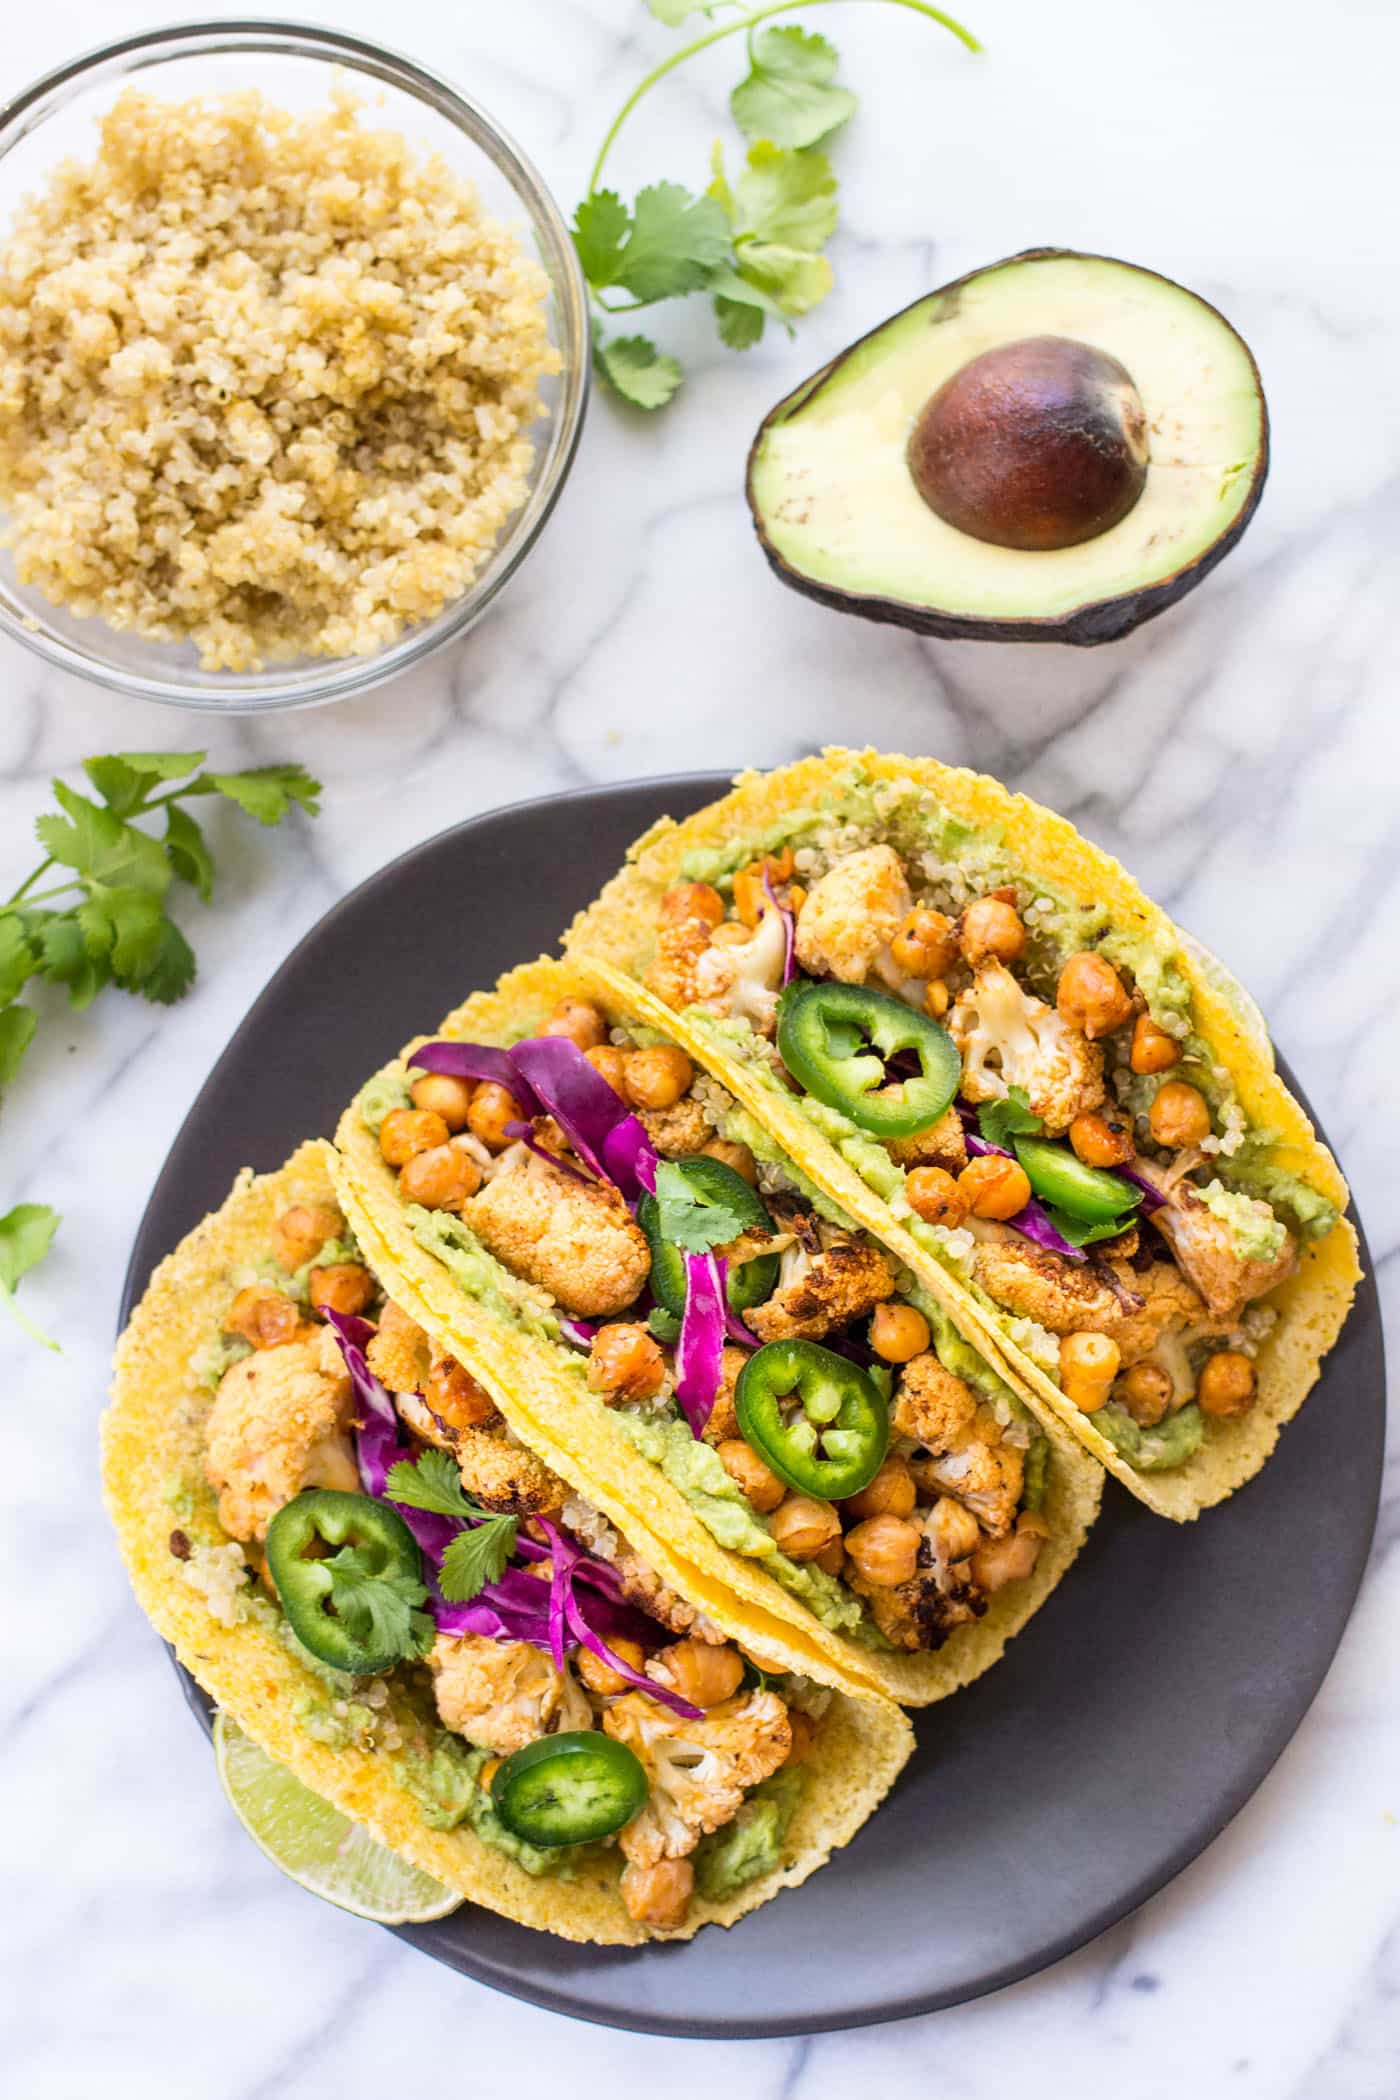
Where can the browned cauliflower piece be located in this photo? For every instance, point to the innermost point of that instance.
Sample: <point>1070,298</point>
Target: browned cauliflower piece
<point>841,1283</point>
<point>504,1477</point>
<point>698,1770</point>
<point>1204,1246</point>
<point>724,1421</point>
<point>280,1423</point>
<point>943,1144</point>
<point>577,1239</point>
<point>744,977</point>
<point>642,1586</point>
<point>1067,1297</point>
<point>680,943</point>
<point>961,1449</point>
<point>921,1613</point>
<point>851,915</point>
<point>1169,1304</point>
<point>501,1695</point>
<point>678,1132</point>
<point>1007,1037</point>
<point>399,1353</point>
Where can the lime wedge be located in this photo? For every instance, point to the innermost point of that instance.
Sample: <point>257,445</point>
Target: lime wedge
<point>318,1847</point>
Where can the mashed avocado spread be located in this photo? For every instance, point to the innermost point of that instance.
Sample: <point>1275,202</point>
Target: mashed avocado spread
<point>387,1090</point>
<point>1255,1232</point>
<point>729,1859</point>
<point>482,1277</point>
<point>1153,1450</point>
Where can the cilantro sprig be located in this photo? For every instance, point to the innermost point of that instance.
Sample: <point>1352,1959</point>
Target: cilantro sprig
<point>474,1557</point>
<point>754,243</point>
<point>1011,1117</point>
<point>103,919</point>
<point>381,1609</point>
<point>688,1217</point>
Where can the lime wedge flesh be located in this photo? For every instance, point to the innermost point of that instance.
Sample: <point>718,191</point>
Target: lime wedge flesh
<point>318,1847</point>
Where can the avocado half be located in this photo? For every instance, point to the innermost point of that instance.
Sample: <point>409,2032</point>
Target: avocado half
<point>1054,448</point>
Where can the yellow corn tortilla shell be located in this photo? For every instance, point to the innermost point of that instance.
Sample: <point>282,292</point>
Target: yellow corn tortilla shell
<point>153,1443</point>
<point>1312,1305</point>
<point>552,1409</point>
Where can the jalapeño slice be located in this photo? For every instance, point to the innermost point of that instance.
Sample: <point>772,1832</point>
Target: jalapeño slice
<point>837,1040</point>
<point>750,1282</point>
<point>1059,1176</point>
<point>568,1789</point>
<point>814,1417</point>
<point>302,1558</point>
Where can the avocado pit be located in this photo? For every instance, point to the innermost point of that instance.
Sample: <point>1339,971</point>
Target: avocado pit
<point>1035,445</point>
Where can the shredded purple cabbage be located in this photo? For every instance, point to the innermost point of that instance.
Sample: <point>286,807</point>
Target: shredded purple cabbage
<point>700,1349</point>
<point>1152,1197</point>
<point>476,1061</point>
<point>524,1132</point>
<point>600,1127</point>
<point>377,1433</point>
<point>789,920</point>
<point>578,1333</point>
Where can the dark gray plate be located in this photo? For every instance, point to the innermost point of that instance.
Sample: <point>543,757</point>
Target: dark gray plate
<point>1123,1730</point>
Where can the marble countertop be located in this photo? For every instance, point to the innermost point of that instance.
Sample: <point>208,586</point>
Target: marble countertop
<point>1242,755</point>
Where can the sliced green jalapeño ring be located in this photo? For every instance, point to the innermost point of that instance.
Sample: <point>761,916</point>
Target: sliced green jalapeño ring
<point>1059,1176</point>
<point>837,1040</point>
<point>302,1560</point>
<point>813,1417</point>
<point>569,1789</point>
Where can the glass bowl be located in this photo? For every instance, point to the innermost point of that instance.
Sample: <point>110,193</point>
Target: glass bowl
<point>293,66</point>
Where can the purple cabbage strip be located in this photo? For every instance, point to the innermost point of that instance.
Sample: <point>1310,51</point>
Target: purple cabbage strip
<point>377,1438</point>
<point>476,1061</point>
<point>789,920</point>
<point>1034,1222</point>
<point>700,1349</point>
<point>1152,1196</point>
<point>578,1333</point>
<point>736,1331</point>
<point>565,1610</point>
<point>524,1133</point>
<point>599,1126</point>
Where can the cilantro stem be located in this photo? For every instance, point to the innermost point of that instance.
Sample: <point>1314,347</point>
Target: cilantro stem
<point>27,885</point>
<point>748,22</point>
<point>18,1313</point>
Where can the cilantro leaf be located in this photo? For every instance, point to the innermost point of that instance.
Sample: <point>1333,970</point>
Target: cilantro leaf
<point>636,369</point>
<point>17,958</point>
<point>1079,1232</point>
<point>664,1325</point>
<point>264,792</point>
<point>26,1234</point>
<point>782,210</point>
<point>788,96</point>
<point>169,969</point>
<point>17,1025</point>
<point>432,1482</point>
<point>741,313</point>
<point>143,950</point>
<point>124,778</point>
<point>68,960</point>
<point>600,230</point>
<point>188,852</point>
<point>794,282</point>
<point>475,1558</point>
<point>380,1609</point>
<point>1001,1121</point>
<point>674,12</point>
<point>676,239</point>
<point>96,843</point>
<point>688,1218</point>
<point>784,198</point>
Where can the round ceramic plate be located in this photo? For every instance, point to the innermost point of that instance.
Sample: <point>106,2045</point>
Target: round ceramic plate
<point>1135,1715</point>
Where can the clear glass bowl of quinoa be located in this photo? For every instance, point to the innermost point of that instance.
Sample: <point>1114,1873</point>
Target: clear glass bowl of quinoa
<point>294,357</point>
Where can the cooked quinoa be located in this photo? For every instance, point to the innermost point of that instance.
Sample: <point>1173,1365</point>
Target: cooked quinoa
<point>266,380</point>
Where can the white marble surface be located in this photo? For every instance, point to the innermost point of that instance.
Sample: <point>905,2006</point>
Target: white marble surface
<point>1242,754</point>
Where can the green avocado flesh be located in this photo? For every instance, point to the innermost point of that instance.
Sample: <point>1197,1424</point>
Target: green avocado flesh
<point>840,516</point>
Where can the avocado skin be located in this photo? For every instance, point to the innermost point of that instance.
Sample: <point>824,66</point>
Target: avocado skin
<point>1103,620</point>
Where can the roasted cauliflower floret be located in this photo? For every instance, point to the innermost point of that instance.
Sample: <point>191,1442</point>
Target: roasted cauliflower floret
<point>943,1144</point>
<point>851,915</point>
<point>921,1613</point>
<point>504,1477</point>
<point>1205,1249</point>
<point>962,1452</point>
<point>280,1423</point>
<point>1007,1037</point>
<point>1169,1305</point>
<point>698,1770</point>
<point>744,977</point>
<point>577,1239</point>
<point>841,1283</point>
<point>501,1695</point>
<point>671,974</point>
<point>678,1132</point>
<point>1067,1297</point>
<point>642,1586</point>
<point>399,1353</point>
<point>724,1421</point>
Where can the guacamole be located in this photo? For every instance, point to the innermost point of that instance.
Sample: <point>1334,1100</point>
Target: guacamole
<point>484,1278</point>
<point>729,1859</point>
<point>1171,1443</point>
<point>387,1090</point>
<point>1255,1232</point>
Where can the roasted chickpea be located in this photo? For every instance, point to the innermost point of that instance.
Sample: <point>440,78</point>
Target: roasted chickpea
<point>1088,1366</point>
<point>579,1021</point>
<point>658,1896</point>
<point>444,1096</point>
<point>898,1333</point>
<point>953,1531</point>
<point>612,1063</point>
<point>442,1179</point>
<point>601,1677</point>
<point>493,1109</point>
<point>1011,1559</point>
<point>890,1494</point>
<point>454,1395</point>
<point>1101,1141</point>
<point>937,998</point>
<point>344,1287</point>
<point>885,1550</point>
<point>658,1077</point>
<point>692,900</point>
<point>625,1362</point>
<point>303,1231</point>
<point>832,1559</point>
<point>1146,1391</point>
<point>935,1196</point>
<point>1152,1049</point>
<point>407,1131</point>
<point>993,1187</point>
<point>263,1315</point>
<point>758,1482</point>
<point>1091,995</point>
<point>750,897</point>
<point>802,1527</point>
<point>991,931</point>
<point>804,1730</point>
<point>1178,1115</point>
<point>926,945</point>
<point>739,1157</point>
<point>1227,1384</point>
<point>703,1673</point>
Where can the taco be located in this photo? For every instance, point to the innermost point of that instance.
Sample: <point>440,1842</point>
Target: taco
<point>329,1518</point>
<point>742,1375</point>
<point>975,1032</point>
